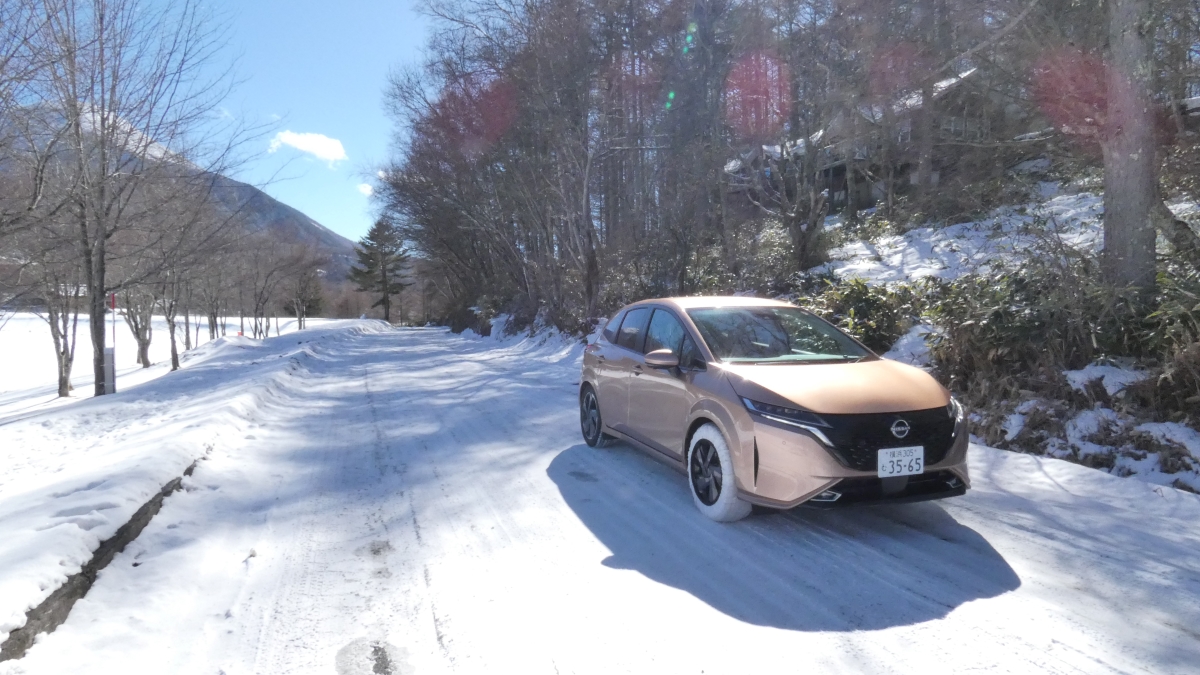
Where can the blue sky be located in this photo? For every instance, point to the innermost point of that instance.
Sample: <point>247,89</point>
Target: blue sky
<point>321,67</point>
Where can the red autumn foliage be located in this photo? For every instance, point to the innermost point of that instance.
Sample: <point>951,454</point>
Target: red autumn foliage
<point>757,104</point>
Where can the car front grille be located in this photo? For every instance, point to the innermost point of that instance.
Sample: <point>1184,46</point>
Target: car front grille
<point>857,438</point>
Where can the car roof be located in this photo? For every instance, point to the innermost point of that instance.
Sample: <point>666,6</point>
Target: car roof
<point>693,302</point>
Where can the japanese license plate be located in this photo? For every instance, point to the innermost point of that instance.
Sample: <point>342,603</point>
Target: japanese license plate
<point>906,461</point>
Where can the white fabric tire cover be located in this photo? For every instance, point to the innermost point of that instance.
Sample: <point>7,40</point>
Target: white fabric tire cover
<point>728,507</point>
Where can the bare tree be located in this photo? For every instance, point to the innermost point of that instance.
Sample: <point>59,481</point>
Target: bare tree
<point>131,80</point>
<point>53,279</point>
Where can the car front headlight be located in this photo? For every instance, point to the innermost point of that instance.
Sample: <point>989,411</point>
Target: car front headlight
<point>810,422</point>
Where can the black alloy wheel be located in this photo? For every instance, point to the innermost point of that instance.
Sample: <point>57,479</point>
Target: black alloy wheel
<point>705,471</point>
<point>589,418</point>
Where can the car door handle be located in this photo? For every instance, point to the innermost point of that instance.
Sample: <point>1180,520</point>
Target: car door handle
<point>637,370</point>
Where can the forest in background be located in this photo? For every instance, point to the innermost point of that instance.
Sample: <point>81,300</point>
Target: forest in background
<point>562,158</point>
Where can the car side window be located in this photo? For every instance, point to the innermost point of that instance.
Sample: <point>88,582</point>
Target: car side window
<point>633,328</point>
<point>690,356</point>
<point>610,328</point>
<point>665,332</point>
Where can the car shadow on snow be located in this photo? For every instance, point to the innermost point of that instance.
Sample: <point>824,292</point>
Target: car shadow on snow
<point>860,568</point>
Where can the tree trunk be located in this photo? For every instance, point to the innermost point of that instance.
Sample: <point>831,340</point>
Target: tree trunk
<point>187,330</point>
<point>387,291</point>
<point>925,119</point>
<point>96,312</point>
<point>64,319</point>
<point>1130,161</point>
<point>139,312</point>
<point>174,346</point>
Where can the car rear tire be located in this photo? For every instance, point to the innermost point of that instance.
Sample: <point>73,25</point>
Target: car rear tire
<point>711,478</point>
<point>590,422</point>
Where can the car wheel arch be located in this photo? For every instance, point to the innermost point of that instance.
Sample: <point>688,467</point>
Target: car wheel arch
<point>705,411</point>
<point>695,424</point>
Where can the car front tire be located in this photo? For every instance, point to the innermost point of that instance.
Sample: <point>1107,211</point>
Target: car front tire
<point>590,422</point>
<point>711,478</point>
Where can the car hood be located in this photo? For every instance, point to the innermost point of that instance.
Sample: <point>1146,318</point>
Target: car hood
<point>879,386</point>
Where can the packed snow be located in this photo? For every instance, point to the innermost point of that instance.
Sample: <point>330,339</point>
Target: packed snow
<point>377,500</point>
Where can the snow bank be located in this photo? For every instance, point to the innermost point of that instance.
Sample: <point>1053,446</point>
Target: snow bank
<point>1114,378</point>
<point>29,381</point>
<point>1114,442</point>
<point>74,474</point>
<point>913,347</point>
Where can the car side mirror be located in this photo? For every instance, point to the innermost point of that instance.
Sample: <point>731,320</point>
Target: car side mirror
<point>662,358</point>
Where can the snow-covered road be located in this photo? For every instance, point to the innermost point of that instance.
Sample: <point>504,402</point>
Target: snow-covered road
<point>409,501</point>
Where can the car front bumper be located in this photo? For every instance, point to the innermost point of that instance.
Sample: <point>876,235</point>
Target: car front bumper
<point>791,467</point>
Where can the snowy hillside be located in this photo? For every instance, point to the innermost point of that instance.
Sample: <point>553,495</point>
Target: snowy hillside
<point>976,246</point>
<point>1059,221</point>
<point>373,500</point>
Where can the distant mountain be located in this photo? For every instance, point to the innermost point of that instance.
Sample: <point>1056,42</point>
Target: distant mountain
<point>260,212</point>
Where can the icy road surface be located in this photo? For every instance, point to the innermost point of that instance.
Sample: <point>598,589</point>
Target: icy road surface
<point>409,501</point>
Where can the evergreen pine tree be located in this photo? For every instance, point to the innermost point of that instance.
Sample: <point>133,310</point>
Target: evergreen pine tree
<point>381,261</point>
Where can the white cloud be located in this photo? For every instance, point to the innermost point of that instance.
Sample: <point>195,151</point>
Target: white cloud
<point>381,174</point>
<point>320,146</point>
<point>365,189</point>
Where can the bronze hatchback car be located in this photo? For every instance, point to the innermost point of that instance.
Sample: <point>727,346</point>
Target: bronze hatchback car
<point>761,402</point>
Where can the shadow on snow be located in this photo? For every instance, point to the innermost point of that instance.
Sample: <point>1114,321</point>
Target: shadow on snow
<point>863,568</point>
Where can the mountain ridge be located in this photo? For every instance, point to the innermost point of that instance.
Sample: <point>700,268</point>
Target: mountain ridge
<point>258,211</point>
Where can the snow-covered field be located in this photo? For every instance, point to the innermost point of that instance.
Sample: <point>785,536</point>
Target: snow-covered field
<point>29,379</point>
<point>376,500</point>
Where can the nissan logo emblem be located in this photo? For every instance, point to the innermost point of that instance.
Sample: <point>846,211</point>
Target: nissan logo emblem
<point>900,428</point>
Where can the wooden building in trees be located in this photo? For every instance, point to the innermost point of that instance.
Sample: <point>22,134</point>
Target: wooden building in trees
<point>870,152</point>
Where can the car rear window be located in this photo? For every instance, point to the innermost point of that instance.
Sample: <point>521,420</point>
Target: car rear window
<point>633,328</point>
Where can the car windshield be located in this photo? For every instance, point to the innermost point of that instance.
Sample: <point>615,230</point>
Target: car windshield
<point>773,335</point>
